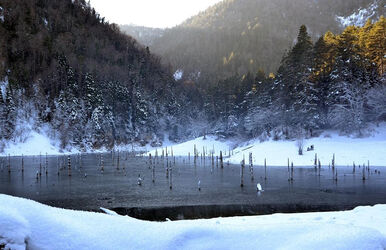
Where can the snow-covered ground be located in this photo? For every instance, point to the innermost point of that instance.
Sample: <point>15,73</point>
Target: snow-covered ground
<point>25,223</point>
<point>346,149</point>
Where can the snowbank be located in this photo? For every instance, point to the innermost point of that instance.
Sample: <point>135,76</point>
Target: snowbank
<point>25,223</point>
<point>35,144</point>
<point>347,150</point>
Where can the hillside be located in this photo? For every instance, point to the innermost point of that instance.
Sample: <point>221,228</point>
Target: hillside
<point>144,35</point>
<point>70,79</point>
<point>67,73</point>
<point>237,36</point>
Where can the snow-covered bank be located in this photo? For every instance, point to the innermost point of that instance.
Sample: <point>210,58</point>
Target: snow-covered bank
<point>34,144</point>
<point>25,223</point>
<point>346,149</point>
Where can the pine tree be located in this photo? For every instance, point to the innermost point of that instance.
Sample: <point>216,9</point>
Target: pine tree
<point>93,94</point>
<point>347,92</point>
<point>8,115</point>
<point>296,92</point>
<point>140,111</point>
<point>376,44</point>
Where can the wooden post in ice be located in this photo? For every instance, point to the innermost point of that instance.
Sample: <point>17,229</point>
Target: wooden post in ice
<point>69,165</point>
<point>242,172</point>
<point>46,165</point>
<point>102,163</point>
<point>170,177</point>
<point>353,167</point>
<point>368,166</point>
<point>153,173</point>
<point>333,162</point>
<point>118,160</point>
<point>288,165</point>
<point>289,173</point>
<point>319,166</point>
<point>195,154</point>
<point>292,171</point>
<point>316,161</point>
<point>167,168</point>
<point>265,168</point>
<point>221,160</point>
<point>150,161</point>
<point>22,163</point>
<point>40,164</point>
<point>9,163</point>
<point>363,174</point>
<point>251,165</point>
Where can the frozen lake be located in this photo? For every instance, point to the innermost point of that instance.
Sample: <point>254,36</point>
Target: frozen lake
<point>97,180</point>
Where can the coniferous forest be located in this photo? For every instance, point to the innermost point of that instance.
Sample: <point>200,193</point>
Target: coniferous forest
<point>67,72</point>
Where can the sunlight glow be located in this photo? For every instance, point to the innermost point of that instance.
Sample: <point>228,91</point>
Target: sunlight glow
<point>150,13</point>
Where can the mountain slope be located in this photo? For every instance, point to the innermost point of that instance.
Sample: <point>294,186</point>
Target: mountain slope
<point>65,69</point>
<point>144,35</point>
<point>237,36</point>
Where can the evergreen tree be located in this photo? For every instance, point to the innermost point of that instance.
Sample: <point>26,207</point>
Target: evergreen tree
<point>8,115</point>
<point>93,94</point>
<point>376,44</point>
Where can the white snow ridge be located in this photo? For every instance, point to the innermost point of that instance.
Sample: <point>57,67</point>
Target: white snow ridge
<point>359,17</point>
<point>25,224</point>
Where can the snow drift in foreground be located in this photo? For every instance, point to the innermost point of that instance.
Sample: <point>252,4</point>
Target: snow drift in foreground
<point>28,224</point>
<point>347,150</point>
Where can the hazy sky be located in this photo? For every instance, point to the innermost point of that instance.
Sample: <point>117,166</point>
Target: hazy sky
<point>151,13</point>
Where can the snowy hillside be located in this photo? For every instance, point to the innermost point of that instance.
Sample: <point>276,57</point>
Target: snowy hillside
<point>28,224</point>
<point>359,17</point>
<point>346,149</point>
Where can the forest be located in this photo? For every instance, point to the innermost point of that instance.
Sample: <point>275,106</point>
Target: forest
<point>67,72</point>
<point>63,66</point>
<point>337,82</point>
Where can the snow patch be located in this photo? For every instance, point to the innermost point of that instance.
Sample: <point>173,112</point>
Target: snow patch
<point>28,141</point>
<point>45,21</point>
<point>25,223</point>
<point>14,228</point>
<point>346,149</point>
<point>1,14</point>
<point>359,17</point>
<point>178,74</point>
<point>34,144</point>
<point>3,88</point>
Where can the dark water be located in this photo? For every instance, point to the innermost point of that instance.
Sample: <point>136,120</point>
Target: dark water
<point>47,180</point>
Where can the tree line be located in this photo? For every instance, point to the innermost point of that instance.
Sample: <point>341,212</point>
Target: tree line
<point>337,82</point>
